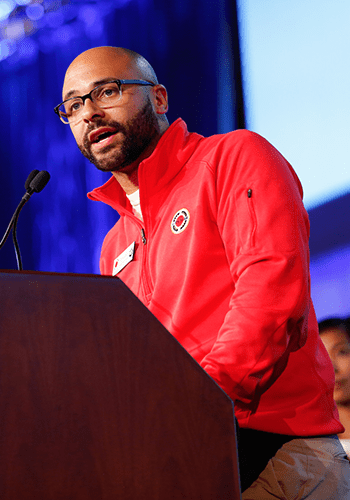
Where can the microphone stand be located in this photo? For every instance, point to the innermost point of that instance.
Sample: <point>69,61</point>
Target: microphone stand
<point>35,182</point>
<point>14,230</point>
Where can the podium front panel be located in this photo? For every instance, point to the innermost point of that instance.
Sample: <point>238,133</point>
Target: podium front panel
<point>99,401</point>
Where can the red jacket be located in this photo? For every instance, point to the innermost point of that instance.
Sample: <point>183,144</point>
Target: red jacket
<point>222,261</point>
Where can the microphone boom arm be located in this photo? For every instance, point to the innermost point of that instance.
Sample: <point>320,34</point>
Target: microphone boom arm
<point>35,182</point>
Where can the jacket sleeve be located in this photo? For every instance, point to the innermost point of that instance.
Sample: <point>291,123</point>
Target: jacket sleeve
<point>264,229</point>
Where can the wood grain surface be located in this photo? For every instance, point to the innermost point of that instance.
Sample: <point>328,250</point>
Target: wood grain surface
<point>98,401</point>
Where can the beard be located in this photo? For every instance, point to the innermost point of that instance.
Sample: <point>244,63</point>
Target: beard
<point>138,134</point>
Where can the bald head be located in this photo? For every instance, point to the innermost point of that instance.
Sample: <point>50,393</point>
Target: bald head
<point>116,61</point>
<point>130,121</point>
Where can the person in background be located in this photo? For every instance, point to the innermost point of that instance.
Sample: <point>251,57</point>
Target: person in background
<point>335,334</point>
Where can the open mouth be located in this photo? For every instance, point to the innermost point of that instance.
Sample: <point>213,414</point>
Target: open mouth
<point>103,136</point>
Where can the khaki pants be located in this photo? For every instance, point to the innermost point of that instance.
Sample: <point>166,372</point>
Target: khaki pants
<point>311,468</point>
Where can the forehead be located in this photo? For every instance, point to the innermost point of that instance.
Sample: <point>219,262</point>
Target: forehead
<point>90,68</point>
<point>333,337</point>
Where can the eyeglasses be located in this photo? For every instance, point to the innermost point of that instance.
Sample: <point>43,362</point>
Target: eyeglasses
<point>105,95</point>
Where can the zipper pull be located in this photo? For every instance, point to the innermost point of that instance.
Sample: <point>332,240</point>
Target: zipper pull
<point>143,237</point>
<point>249,193</point>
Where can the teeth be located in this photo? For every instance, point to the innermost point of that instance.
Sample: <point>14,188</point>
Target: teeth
<point>103,136</point>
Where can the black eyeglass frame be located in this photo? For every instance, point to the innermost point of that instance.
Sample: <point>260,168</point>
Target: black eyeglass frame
<point>89,96</point>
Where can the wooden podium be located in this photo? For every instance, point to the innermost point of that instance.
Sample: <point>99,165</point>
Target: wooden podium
<point>99,401</point>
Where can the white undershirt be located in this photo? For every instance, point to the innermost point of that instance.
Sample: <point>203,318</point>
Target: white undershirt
<point>134,199</point>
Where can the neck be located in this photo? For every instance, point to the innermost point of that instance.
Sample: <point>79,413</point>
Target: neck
<point>128,181</point>
<point>128,176</point>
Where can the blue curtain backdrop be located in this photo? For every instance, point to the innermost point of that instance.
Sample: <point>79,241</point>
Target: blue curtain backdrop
<point>193,46</point>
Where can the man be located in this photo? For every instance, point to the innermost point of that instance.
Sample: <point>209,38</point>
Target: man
<point>213,238</point>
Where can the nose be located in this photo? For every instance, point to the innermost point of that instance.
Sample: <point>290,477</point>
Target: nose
<point>91,110</point>
<point>335,364</point>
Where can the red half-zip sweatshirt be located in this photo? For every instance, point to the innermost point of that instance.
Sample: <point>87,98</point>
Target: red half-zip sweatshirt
<point>221,259</point>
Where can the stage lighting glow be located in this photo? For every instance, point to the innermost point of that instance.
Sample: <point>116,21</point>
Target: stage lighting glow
<point>29,27</point>
<point>35,11</point>
<point>54,19</point>
<point>62,21</point>
<point>6,7</point>
<point>7,48</point>
<point>63,35</point>
<point>89,15</point>
<point>28,49</point>
<point>15,30</point>
<point>4,50</point>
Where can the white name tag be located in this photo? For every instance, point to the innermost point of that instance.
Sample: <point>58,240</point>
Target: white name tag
<point>123,259</point>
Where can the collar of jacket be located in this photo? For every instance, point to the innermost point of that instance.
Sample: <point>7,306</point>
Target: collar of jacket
<point>173,150</point>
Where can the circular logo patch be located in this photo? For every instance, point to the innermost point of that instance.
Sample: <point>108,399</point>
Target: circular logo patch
<point>180,221</point>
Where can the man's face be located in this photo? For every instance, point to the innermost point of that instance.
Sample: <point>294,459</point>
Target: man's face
<point>337,344</point>
<point>127,143</point>
<point>129,128</point>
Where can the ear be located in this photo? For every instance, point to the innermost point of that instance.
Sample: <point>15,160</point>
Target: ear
<point>160,99</point>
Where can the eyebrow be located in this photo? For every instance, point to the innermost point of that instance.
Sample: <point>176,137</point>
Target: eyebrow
<point>341,343</point>
<point>72,93</point>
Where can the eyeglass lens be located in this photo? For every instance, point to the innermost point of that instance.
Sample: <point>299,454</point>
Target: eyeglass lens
<point>104,96</point>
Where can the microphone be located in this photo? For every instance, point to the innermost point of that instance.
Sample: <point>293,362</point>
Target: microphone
<point>30,177</point>
<point>35,183</point>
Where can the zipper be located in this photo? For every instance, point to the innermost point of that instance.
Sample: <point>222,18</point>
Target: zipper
<point>144,278</point>
<point>145,285</point>
<point>252,216</point>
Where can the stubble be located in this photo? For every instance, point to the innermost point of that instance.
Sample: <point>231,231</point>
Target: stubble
<point>136,136</point>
